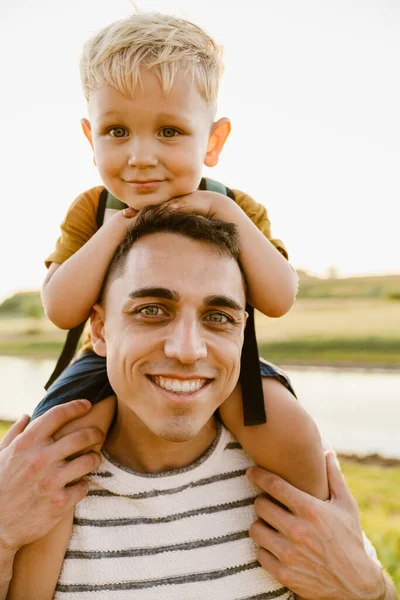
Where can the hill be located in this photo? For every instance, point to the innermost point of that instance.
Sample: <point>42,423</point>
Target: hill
<point>387,286</point>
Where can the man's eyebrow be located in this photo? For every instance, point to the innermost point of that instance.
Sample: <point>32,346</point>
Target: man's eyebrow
<point>223,302</point>
<point>155,292</point>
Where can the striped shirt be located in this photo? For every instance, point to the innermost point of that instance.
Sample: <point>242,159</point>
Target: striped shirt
<point>178,535</point>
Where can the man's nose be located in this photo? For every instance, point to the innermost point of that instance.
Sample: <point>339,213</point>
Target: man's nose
<point>142,153</point>
<point>185,342</point>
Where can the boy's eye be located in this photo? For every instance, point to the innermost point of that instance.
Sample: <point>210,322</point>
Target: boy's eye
<point>118,132</point>
<point>218,318</point>
<point>169,132</point>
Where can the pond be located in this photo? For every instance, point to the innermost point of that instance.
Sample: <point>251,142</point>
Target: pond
<point>356,410</point>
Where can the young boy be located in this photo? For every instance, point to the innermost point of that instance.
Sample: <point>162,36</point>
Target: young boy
<point>151,83</point>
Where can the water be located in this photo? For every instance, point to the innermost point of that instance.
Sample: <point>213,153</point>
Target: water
<point>357,411</point>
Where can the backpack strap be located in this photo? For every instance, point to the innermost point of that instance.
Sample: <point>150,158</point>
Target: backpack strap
<point>73,335</point>
<point>250,375</point>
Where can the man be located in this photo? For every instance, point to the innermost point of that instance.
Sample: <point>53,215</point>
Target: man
<point>167,514</point>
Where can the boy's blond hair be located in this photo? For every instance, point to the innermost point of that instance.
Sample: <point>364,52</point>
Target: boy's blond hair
<point>161,43</point>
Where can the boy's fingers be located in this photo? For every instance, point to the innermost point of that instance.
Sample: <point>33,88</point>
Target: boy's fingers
<point>129,212</point>
<point>17,428</point>
<point>46,425</point>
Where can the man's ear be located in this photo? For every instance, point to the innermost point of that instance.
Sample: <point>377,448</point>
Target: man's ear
<point>218,136</point>
<point>97,326</point>
<point>87,130</point>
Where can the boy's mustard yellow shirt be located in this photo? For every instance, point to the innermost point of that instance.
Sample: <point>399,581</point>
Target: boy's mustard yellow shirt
<point>80,224</point>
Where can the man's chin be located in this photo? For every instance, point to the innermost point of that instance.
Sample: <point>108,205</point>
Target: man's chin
<point>178,433</point>
<point>180,428</point>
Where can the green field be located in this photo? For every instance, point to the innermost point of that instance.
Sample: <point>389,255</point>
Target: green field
<point>355,331</point>
<point>376,490</point>
<point>334,321</point>
<point>333,331</point>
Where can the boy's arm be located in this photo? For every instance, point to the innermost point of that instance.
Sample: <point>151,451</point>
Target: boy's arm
<point>37,566</point>
<point>272,282</point>
<point>288,444</point>
<point>70,290</point>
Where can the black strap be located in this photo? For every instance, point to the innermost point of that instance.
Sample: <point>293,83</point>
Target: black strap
<point>73,336</point>
<point>101,208</point>
<point>250,375</point>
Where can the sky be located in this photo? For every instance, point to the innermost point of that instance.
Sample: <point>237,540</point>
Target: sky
<point>313,92</point>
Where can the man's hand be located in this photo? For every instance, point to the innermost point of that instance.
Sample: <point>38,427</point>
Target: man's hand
<point>314,548</point>
<point>34,474</point>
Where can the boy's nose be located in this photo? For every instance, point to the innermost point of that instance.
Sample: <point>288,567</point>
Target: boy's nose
<point>142,154</point>
<point>185,343</point>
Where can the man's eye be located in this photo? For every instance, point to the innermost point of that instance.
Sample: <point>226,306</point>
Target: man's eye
<point>118,132</point>
<point>218,318</point>
<point>169,132</point>
<point>151,311</point>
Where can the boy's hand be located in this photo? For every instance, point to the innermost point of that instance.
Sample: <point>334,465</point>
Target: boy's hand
<point>207,204</point>
<point>129,212</point>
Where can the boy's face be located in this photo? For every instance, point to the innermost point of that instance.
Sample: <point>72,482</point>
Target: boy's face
<point>150,148</point>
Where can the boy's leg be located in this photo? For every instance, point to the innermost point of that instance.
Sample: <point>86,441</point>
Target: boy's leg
<point>270,370</point>
<point>85,378</point>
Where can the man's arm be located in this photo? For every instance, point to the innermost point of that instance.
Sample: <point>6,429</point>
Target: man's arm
<point>35,477</point>
<point>316,548</point>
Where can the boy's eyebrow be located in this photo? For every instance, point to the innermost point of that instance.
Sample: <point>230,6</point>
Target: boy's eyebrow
<point>174,117</point>
<point>223,302</point>
<point>155,292</point>
<point>108,114</point>
<point>164,116</point>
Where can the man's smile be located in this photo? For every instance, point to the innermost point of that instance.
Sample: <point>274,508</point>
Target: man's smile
<point>179,386</point>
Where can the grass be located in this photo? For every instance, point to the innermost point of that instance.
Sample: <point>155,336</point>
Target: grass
<point>316,331</point>
<point>358,351</point>
<point>376,490</point>
<point>384,286</point>
<point>333,331</point>
<point>30,337</point>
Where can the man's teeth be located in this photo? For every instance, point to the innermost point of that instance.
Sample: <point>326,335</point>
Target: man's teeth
<point>179,386</point>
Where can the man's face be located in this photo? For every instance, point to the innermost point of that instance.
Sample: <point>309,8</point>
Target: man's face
<point>151,147</point>
<point>173,329</point>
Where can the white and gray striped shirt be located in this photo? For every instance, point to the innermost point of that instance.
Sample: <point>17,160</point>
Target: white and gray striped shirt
<point>179,535</point>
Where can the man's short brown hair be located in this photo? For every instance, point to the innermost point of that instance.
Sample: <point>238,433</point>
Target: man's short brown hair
<point>221,235</point>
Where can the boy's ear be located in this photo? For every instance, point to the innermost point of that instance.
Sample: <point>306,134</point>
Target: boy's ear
<point>87,130</point>
<point>218,136</point>
<point>97,327</point>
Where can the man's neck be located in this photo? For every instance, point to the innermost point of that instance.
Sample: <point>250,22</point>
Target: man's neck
<point>131,444</point>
